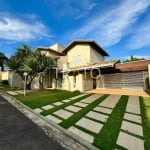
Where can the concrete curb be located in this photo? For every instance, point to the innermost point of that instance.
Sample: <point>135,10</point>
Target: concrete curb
<point>79,142</point>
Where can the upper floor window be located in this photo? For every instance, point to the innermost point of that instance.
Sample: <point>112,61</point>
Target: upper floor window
<point>77,60</point>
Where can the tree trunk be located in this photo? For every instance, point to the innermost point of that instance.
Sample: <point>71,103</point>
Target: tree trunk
<point>28,86</point>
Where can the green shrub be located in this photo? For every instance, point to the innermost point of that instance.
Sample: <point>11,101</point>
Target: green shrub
<point>4,82</point>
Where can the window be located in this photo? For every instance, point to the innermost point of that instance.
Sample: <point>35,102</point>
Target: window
<point>77,60</point>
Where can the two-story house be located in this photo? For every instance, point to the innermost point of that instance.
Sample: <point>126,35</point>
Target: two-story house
<point>82,66</point>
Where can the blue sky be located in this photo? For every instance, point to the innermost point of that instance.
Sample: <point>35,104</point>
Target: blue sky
<point>121,27</point>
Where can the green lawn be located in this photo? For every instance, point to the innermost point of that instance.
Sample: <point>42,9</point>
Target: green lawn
<point>36,99</point>
<point>145,110</point>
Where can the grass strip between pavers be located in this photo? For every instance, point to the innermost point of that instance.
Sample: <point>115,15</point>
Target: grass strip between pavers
<point>145,112</point>
<point>108,135</point>
<point>78,115</point>
<point>50,111</point>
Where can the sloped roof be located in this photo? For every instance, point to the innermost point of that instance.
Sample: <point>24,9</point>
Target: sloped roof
<point>141,65</point>
<point>49,49</point>
<point>90,42</point>
<point>100,64</point>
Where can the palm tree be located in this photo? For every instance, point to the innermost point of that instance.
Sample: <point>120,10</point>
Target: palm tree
<point>43,63</point>
<point>3,60</point>
<point>35,63</point>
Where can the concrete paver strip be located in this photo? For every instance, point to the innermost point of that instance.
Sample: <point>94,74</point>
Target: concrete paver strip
<point>73,108</point>
<point>97,116</point>
<point>80,104</point>
<point>63,114</point>
<point>133,117</point>
<point>130,142</point>
<point>58,103</point>
<point>54,119</point>
<point>132,128</point>
<point>12,93</point>
<point>66,100</point>
<point>47,107</point>
<point>82,134</point>
<point>102,109</point>
<point>38,110</point>
<point>110,101</point>
<point>78,96</point>
<point>20,92</point>
<point>90,125</point>
<point>91,98</point>
<point>133,105</point>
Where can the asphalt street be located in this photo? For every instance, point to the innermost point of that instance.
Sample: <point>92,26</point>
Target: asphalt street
<point>17,132</point>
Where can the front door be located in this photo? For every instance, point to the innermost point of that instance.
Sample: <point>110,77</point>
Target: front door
<point>94,83</point>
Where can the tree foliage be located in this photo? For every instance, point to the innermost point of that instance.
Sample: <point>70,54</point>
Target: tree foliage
<point>33,62</point>
<point>133,58</point>
<point>3,61</point>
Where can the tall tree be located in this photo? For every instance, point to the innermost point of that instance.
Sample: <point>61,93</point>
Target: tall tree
<point>34,63</point>
<point>3,61</point>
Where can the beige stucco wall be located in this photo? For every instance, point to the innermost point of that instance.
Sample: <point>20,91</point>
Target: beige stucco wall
<point>79,83</point>
<point>81,49</point>
<point>87,54</point>
<point>95,56</point>
<point>49,53</point>
<point>57,47</point>
<point>4,75</point>
<point>15,80</point>
<point>61,61</point>
<point>68,83</point>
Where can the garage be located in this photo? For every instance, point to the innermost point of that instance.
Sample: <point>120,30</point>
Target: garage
<point>130,80</point>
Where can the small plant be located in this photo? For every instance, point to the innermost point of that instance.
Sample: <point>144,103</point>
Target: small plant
<point>4,82</point>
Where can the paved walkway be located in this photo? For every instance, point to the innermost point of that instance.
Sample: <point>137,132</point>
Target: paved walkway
<point>120,92</point>
<point>17,132</point>
<point>131,132</point>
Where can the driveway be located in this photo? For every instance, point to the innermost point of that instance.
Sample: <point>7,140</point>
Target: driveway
<point>17,132</point>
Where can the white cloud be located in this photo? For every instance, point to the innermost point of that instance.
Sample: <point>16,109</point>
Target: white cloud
<point>85,7</point>
<point>76,9</point>
<point>12,28</point>
<point>141,37</point>
<point>111,26</point>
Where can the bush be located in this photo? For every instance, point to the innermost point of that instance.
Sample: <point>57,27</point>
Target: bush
<point>4,82</point>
